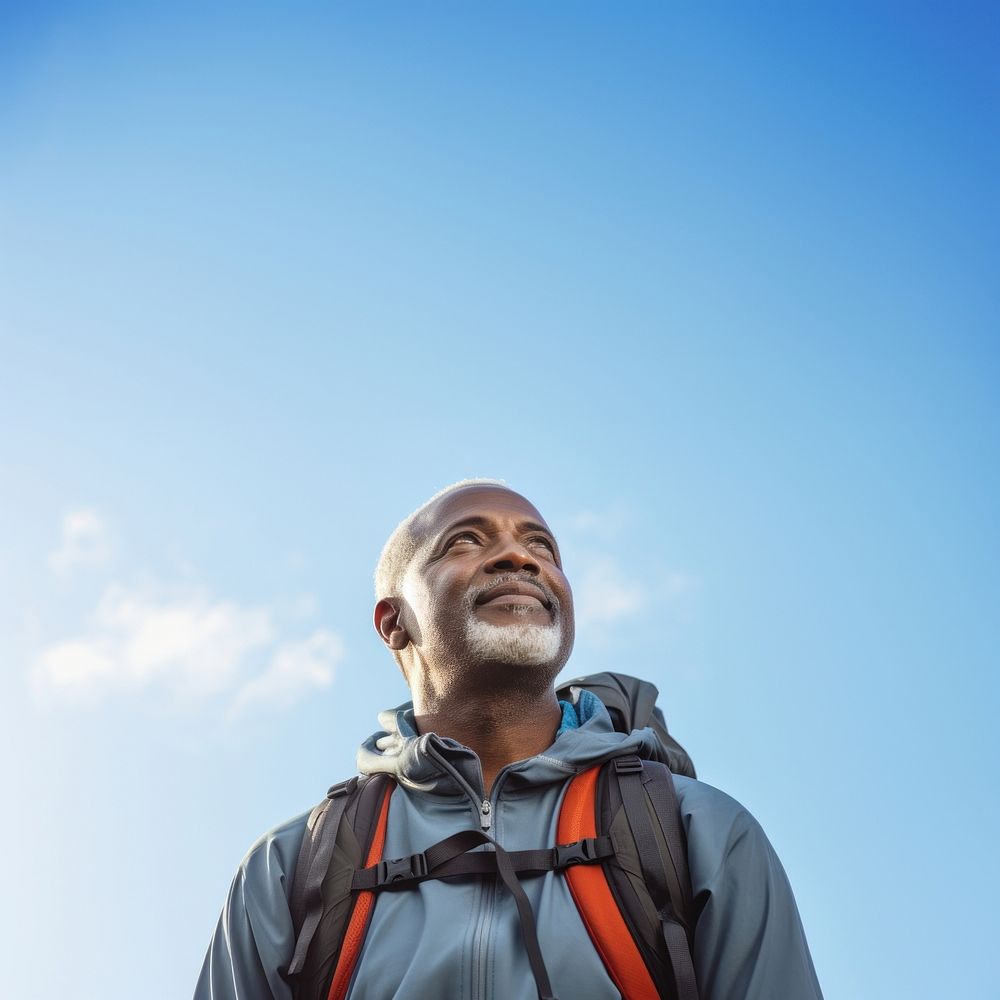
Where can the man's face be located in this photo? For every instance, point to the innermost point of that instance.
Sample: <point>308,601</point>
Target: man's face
<point>486,584</point>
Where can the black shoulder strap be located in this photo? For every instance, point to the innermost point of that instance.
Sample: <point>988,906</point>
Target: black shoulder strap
<point>665,874</point>
<point>357,802</point>
<point>306,901</point>
<point>658,783</point>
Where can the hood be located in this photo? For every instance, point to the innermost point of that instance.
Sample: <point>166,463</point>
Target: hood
<point>439,765</point>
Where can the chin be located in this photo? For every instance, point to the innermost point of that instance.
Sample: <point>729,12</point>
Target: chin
<point>518,644</point>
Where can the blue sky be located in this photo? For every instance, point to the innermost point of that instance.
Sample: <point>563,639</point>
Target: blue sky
<point>716,288</point>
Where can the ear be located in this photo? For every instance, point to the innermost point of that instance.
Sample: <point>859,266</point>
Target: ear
<point>387,624</point>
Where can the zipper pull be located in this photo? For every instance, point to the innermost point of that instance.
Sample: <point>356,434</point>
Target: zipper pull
<point>486,814</point>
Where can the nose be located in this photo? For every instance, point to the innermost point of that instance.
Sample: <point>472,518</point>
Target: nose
<point>510,556</point>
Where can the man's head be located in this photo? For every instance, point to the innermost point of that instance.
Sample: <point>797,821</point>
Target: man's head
<point>472,583</point>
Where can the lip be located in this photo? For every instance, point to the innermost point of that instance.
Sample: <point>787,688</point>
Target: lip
<point>513,590</point>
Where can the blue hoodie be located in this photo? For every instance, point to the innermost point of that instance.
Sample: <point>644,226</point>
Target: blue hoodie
<point>462,939</point>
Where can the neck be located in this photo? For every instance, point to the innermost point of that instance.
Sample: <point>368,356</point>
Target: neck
<point>500,727</point>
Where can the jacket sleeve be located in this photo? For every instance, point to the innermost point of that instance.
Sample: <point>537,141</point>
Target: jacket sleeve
<point>254,938</point>
<point>749,943</point>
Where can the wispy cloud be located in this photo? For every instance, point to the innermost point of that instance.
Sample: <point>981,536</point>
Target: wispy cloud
<point>180,642</point>
<point>191,647</point>
<point>83,542</point>
<point>295,669</point>
<point>605,592</point>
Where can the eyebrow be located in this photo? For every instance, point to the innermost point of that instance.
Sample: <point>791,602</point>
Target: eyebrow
<point>478,521</point>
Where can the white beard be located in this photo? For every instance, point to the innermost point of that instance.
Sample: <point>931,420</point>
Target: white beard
<point>524,645</point>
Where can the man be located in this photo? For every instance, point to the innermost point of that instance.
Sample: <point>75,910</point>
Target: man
<point>473,604</point>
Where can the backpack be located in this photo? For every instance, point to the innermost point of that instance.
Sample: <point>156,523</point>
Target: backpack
<point>620,845</point>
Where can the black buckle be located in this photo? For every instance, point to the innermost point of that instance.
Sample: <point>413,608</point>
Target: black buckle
<point>628,765</point>
<point>401,869</point>
<point>579,853</point>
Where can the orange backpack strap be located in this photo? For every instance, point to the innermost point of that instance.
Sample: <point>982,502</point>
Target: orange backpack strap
<point>594,899</point>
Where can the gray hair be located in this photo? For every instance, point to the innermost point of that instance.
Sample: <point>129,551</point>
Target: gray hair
<point>403,543</point>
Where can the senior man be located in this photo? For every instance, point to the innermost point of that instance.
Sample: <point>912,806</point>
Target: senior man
<point>473,604</point>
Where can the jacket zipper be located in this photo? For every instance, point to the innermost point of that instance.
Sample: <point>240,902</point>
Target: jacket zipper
<point>484,807</point>
<point>481,943</point>
<point>481,934</point>
<point>484,928</point>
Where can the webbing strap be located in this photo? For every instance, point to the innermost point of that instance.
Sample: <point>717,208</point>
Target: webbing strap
<point>631,779</point>
<point>452,851</point>
<point>680,959</point>
<point>307,896</point>
<point>659,786</point>
<point>296,902</point>
<point>449,858</point>
<point>629,771</point>
<point>508,876</point>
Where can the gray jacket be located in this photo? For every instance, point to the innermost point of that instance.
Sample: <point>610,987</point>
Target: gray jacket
<point>462,939</point>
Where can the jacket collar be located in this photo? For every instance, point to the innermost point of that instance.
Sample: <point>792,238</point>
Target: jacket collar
<point>414,760</point>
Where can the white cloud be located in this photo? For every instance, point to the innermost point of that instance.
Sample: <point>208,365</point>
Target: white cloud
<point>190,646</point>
<point>83,543</point>
<point>295,669</point>
<point>78,667</point>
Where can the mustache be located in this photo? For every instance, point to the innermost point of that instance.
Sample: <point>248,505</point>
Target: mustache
<point>475,593</point>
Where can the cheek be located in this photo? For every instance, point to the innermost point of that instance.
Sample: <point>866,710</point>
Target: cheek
<point>416,594</point>
<point>436,597</point>
<point>563,590</point>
